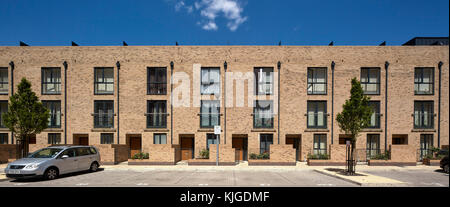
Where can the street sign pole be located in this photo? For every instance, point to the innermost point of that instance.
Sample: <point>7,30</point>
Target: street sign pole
<point>217,133</point>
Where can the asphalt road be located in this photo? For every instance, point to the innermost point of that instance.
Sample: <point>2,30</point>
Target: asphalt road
<point>185,178</point>
<point>230,177</point>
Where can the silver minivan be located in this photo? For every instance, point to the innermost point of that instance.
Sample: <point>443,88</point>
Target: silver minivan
<point>53,161</point>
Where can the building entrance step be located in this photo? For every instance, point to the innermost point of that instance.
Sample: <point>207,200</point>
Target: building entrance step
<point>182,162</point>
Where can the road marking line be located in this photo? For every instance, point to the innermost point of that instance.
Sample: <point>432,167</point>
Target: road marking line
<point>263,184</point>
<point>201,184</point>
<point>20,183</point>
<point>81,184</point>
<point>142,184</point>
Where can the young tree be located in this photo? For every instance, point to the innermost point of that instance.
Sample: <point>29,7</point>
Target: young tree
<point>355,116</point>
<point>26,115</point>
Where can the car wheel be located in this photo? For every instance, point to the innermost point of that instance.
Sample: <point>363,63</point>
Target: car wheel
<point>51,173</point>
<point>446,168</point>
<point>94,167</point>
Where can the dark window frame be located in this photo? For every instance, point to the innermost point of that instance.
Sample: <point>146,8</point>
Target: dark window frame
<point>265,140</point>
<point>157,104</point>
<point>313,72</point>
<point>103,81</point>
<point>318,148</point>
<point>53,76</point>
<point>2,112</point>
<point>2,71</point>
<point>4,138</point>
<point>209,114</point>
<point>376,105</point>
<point>422,116</point>
<point>50,105</point>
<point>364,84</point>
<point>316,115</point>
<point>256,71</point>
<point>104,104</point>
<point>211,136</point>
<point>209,78</point>
<point>157,136</point>
<point>107,138</point>
<point>369,149</point>
<point>156,87</point>
<point>421,69</point>
<point>429,139</point>
<point>53,137</point>
<point>256,109</point>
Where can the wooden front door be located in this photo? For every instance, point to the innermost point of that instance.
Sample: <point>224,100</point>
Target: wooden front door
<point>296,144</point>
<point>83,141</point>
<point>187,148</point>
<point>238,145</point>
<point>135,145</point>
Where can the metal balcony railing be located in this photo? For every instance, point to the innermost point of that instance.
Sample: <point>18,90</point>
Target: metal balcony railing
<point>103,120</point>
<point>156,120</point>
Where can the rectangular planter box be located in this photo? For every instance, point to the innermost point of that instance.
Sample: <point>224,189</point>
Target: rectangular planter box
<point>208,162</point>
<point>147,162</point>
<point>390,163</point>
<point>431,162</point>
<point>324,163</point>
<point>269,163</point>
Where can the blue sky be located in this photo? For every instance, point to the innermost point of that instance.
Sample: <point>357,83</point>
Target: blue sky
<point>220,22</point>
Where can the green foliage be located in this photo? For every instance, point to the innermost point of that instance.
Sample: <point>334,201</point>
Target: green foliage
<point>204,153</point>
<point>356,112</point>
<point>435,154</point>
<point>26,115</point>
<point>262,156</point>
<point>141,156</point>
<point>318,156</point>
<point>381,156</point>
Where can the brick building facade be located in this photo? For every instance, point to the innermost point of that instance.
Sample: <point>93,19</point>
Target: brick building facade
<point>121,96</point>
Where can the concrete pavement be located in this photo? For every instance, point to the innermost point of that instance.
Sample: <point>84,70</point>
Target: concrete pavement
<point>243,175</point>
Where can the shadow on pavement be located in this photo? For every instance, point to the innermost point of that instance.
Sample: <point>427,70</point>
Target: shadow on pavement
<point>440,171</point>
<point>28,180</point>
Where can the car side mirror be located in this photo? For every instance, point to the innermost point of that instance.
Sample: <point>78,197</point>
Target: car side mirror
<point>65,156</point>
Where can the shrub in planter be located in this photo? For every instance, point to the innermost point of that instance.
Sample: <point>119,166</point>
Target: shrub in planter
<point>262,156</point>
<point>318,156</point>
<point>204,154</point>
<point>381,156</point>
<point>141,156</point>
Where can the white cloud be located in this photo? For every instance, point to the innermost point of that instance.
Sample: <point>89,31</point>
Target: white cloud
<point>212,9</point>
<point>180,5</point>
<point>210,26</point>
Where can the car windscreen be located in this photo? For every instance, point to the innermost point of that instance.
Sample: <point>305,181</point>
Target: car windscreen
<point>46,153</point>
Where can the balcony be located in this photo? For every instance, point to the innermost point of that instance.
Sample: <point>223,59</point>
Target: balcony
<point>156,89</point>
<point>103,120</point>
<point>156,120</point>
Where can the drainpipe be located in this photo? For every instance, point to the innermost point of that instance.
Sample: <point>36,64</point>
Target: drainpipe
<point>118,102</point>
<point>12,92</point>
<point>171,103</point>
<point>439,104</point>
<point>386,66</point>
<point>65,102</point>
<point>279,112</point>
<point>225,66</point>
<point>332,100</point>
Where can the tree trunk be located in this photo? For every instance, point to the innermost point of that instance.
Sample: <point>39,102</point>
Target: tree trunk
<point>26,146</point>
<point>23,147</point>
<point>351,164</point>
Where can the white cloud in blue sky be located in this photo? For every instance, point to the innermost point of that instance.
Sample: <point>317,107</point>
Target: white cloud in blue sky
<point>210,10</point>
